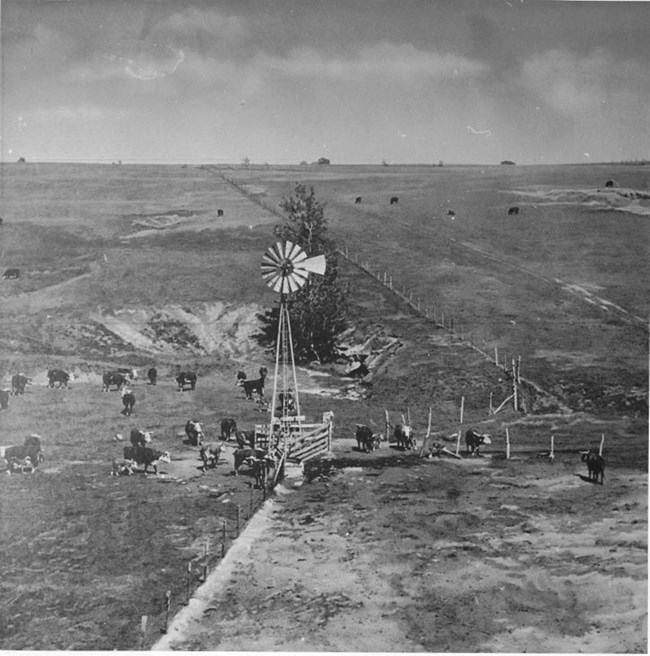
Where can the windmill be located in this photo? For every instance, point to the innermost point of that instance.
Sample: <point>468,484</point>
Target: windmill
<point>286,268</point>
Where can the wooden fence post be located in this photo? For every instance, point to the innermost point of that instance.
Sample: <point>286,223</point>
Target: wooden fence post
<point>168,605</point>
<point>189,582</point>
<point>224,537</point>
<point>462,408</point>
<point>552,453</point>
<point>207,556</point>
<point>143,631</point>
<point>496,356</point>
<point>491,409</point>
<point>458,443</point>
<point>387,424</point>
<point>238,520</point>
<point>602,443</point>
<point>519,368</point>
<point>507,445</point>
<point>408,415</point>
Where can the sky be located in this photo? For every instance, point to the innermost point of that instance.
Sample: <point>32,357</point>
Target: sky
<point>356,81</point>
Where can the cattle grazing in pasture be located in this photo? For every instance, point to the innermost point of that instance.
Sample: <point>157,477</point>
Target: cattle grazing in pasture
<point>357,200</point>
<point>513,210</point>
<point>184,379</point>
<point>209,455</point>
<point>228,428</point>
<point>140,438</point>
<point>18,384</point>
<point>219,212</point>
<point>404,437</point>
<point>394,200</point>
<point>609,183</point>
<point>31,448</point>
<point>146,456</point>
<point>152,375</point>
<point>595,465</point>
<point>11,274</point>
<point>4,399</point>
<point>366,440</point>
<point>194,432</point>
<point>113,378</point>
<point>246,457</point>
<point>122,467</point>
<point>57,376</point>
<point>257,386</point>
<point>475,440</point>
<point>245,439</point>
<point>451,213</point>
<point>128,401</point>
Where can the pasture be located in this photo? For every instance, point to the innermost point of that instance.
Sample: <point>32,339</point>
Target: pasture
<point>132,266</point>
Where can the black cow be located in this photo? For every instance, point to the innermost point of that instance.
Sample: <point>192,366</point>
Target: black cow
<point>11,274</point>
<point>357,200</point>
<point>152,375</point>
<point>209,454</point>
<point>228,428</point>
<point>246,457</point>
<point>451,213</point>
<point>251,386</point>
<point>261,469</point>
<point>245,439</point>
<point>404,437</point>
<point>366,439</point>
<point>58,376</point>
<point>513,210</point>
<point>186,378</point>
<point>474,440</point>
<point>609,183</point>
<point>139,437</point>
<point>18,384</point>
<point>194,432</point>
<point>4,399</point>
<point>31,449</point>
<point>128,401</point>
<point>146,456</point>
<point>595,465</point>
<point>394,200</point>
<point>113,378</point>
<point>219,212</point>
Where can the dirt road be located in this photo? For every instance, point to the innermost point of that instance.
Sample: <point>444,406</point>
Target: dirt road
<point>393,553</point>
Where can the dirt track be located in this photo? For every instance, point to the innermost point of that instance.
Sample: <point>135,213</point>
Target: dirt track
<point>393,553</point>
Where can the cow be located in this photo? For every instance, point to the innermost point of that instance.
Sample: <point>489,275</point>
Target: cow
<point>113,378</point>
<point>186,378</point>
<point>58,376</point>
<point>4,398</point>
<point>404,437</point>
<point>261,468</point>
<point>246,457</point>
<point>367,440</point>
<point>219,212</point>
<point>595,465</point>
<point>609,183</point>
<point>139,437</point>
<point>152,375</point>
<point>451,213</point>
<point>146,456</point>
<point>11,274</point>
<point>251,386</point>
<point>513,210</point>
<point>131,374</point>
<point>357,200</point>
<point>128,401</point>
<point>394,200</point>
<point>475,440</point>
<point>18,384</point>
<point>122,467</point>
<point>228,428</point>
<point>194,432</point>
<point>245,439</point>
<point>31,448</point>
<point>209,455</point>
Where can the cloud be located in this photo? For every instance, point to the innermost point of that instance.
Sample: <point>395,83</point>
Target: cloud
<point>573,85</point>
<point>209,21</point>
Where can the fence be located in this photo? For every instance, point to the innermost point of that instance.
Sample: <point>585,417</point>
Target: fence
<point>306,441</point>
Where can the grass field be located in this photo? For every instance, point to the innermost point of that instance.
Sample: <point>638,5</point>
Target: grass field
<point>132,265</point>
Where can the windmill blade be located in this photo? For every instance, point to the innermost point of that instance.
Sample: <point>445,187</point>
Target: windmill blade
<point>315,264</point>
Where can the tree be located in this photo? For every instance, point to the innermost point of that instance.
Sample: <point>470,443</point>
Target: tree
<point>319,310</point>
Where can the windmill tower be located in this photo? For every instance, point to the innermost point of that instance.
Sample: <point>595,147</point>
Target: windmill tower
<point>286,268</point>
